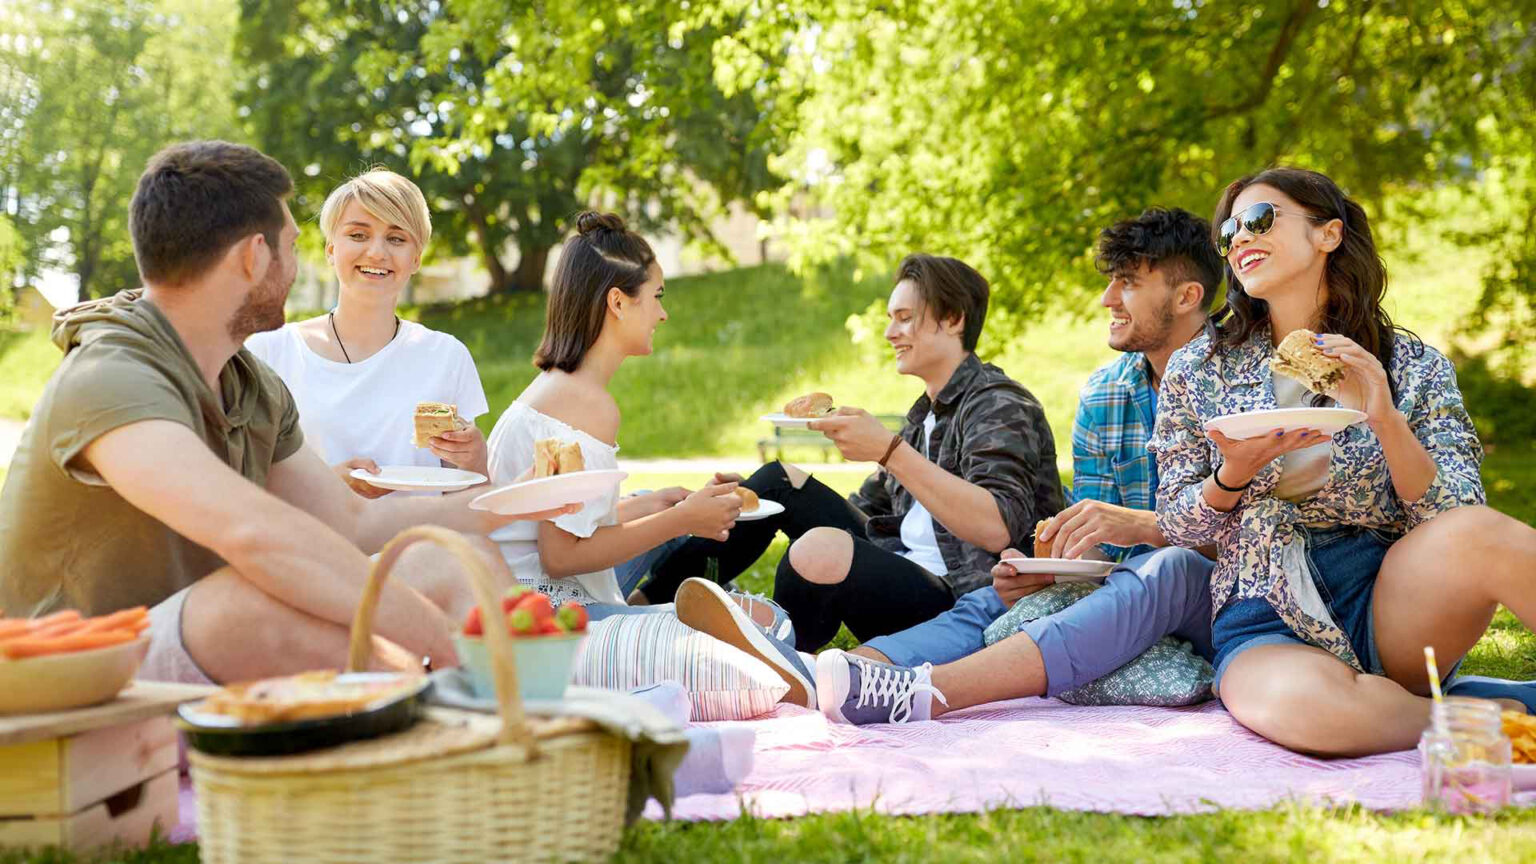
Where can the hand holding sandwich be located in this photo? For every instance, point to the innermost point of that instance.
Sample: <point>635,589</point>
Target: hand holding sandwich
<point>462,448</point>
<point>1365,386</point>
<point>859,436</point>
<point>710,512</point>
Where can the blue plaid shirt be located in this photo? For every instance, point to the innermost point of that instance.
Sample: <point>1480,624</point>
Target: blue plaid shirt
<point>1115,415</point>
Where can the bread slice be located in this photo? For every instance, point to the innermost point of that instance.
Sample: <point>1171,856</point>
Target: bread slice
<point>809,405</point>
<point>1042,549</point>
<point>435,418</point>
<point>1298,357</point>
<point>551,456</point>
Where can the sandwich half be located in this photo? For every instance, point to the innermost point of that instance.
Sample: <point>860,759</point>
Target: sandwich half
<point>551,457</point>
<point>809,405</point>
<point>1042,549</point>
<point>1298,357</point>
<point>435,418</point>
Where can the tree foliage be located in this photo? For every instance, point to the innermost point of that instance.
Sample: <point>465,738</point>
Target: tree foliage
<point>1009,133</point>
<point>88,91</point>
<point>511,115</point>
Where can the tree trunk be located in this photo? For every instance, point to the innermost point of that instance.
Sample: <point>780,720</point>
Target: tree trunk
<point>531,260</point>
<point>500,279</point>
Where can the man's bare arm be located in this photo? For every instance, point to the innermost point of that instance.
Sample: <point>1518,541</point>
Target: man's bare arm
<point>281,549</point>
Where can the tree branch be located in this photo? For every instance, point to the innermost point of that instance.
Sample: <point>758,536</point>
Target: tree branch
<point>1277,55</point>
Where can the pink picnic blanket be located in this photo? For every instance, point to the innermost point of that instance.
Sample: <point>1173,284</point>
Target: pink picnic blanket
<point>1142,761</point>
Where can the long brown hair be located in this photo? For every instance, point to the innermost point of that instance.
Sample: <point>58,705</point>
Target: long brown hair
<point>604,254</point>
<point>1357,277</point>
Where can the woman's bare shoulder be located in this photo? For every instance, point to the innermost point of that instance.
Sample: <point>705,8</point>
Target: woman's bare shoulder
<point>575,403</point>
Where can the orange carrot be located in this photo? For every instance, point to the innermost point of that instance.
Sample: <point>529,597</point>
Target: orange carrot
<point>20,648</point>
<point>50,631</point>
<point>65,615</point>
<point>13,628</point>
<point>116,621</point>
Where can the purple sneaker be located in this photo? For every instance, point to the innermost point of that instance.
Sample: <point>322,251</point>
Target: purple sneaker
<point>860,691</point>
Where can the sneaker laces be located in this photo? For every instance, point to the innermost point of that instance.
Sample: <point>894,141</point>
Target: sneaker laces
<point>755,600</point>
<point>881,685</point>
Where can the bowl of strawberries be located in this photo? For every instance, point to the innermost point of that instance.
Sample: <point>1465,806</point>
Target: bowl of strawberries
<point>545,641</point>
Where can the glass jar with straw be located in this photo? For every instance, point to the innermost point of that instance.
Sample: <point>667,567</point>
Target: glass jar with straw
<point>1464,752</point>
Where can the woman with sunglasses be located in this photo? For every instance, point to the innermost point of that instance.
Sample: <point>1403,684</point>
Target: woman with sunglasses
<point>1341,557</point>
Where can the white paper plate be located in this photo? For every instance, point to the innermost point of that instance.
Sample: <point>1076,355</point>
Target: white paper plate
<point>784,421</point>
<point>1064,569</point>
<point>1252,424</point>
<point>765,508</point>
<point>410,478</point>
<point>547,493</point>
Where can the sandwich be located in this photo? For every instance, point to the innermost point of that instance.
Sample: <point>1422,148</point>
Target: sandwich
<point>1042,548</point>
<point>749,500</point>
<point>552,457</point>
<point>435,418</point>
<point>809,405</point>
<point>1298,357</point>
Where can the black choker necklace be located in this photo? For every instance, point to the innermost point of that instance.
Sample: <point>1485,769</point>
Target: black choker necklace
<point>343,346</point>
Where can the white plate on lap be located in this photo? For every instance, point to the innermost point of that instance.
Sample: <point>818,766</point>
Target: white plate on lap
<point>765,508</point>
<point>418,478</point>
<point>547,493</point>
<point>784,421</point>
<point>1252,424</point>
<point>1064,569</point>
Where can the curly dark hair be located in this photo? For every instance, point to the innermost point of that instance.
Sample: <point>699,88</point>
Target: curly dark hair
<point>1175,241</point>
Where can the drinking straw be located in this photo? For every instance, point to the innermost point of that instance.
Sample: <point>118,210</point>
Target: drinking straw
<point>1434,674</point>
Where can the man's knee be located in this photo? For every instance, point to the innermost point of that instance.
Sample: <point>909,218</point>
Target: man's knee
<point>822,556</point>
<point>1177,573</point>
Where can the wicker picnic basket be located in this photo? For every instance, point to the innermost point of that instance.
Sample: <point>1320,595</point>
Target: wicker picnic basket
<point>455,787</point>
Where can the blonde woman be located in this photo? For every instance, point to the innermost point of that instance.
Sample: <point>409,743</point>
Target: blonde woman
<point>358,371</point>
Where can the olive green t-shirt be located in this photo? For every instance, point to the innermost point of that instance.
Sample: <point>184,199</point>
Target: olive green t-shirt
<point>67,540</point>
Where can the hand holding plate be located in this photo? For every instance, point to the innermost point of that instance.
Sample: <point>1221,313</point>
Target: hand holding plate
<point>362,487</point>
<point>1244,458</point>
<point>1010,584</point>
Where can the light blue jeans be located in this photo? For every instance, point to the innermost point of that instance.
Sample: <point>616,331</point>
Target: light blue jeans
<point>1161,593</point>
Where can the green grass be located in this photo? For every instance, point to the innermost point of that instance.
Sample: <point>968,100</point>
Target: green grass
<point>27,358</point>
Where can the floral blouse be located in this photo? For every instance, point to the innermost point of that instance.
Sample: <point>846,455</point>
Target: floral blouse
<point>1262,553</point>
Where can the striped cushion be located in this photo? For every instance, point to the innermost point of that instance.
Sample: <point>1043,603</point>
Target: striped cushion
<point>623,652</point>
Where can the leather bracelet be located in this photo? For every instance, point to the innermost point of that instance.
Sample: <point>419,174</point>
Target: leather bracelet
<point>1216,476</point>
<point>895,442</point>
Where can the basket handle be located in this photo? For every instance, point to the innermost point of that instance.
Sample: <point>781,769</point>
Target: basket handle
<point>514,722</point>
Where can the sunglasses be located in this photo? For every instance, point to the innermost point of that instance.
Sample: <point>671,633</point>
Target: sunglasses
<point>1256,219</point>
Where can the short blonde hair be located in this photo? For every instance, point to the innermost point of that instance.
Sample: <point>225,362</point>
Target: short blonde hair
<point>387,196</point>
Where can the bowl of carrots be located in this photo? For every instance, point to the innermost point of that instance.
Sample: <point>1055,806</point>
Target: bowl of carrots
<point>66,660</point>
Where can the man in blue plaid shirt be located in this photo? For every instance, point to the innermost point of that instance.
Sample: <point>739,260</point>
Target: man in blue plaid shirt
<point>1163,277</point>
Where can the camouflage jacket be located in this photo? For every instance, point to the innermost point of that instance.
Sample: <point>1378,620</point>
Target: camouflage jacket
<point>991,431</point>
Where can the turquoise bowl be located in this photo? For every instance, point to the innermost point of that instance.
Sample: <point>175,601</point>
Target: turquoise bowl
<point>543,664</point>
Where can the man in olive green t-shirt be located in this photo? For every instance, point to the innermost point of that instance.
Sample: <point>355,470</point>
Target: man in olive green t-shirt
<point>164,465</point>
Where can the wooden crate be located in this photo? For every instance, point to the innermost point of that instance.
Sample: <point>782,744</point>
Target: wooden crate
<point>88,778</point>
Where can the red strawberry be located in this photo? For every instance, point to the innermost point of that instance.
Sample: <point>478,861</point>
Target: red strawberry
<point>572,617</point>
<point>512,595</point>
<point>538,606</point>
<point>521,622</point>
<point>473,626</point>
<point>548,627</point>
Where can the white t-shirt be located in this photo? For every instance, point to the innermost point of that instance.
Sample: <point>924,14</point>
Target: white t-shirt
<point>1302,472</point>
<point>364,410</point>
<point>917,526</point>
<point>511,446</point>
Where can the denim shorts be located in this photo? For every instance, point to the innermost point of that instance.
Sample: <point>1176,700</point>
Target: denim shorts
<point>1343,562</point>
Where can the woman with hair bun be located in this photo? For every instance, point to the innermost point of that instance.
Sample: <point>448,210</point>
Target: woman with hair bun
<point>358,371</point>
<point>1343,556</point>
<point>605,303</point>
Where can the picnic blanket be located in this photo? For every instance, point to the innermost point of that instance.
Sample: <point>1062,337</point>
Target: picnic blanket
<point>1140,761</point>
<point>1027,752</point>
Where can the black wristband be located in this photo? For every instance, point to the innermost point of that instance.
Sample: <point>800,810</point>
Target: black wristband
<point>1216,476</point>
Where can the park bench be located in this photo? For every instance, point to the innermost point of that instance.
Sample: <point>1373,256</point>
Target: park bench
<point>780,438</point>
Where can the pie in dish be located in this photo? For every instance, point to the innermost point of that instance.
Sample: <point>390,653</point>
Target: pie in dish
<point>305,696</point>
